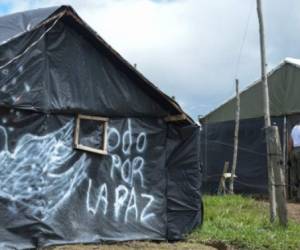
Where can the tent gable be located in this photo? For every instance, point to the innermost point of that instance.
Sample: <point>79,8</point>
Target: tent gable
<point>283,91</point>
<point>91,80</point>
<point>156,99</point>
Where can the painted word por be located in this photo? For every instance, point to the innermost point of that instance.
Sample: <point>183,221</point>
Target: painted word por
<point>131,168</point>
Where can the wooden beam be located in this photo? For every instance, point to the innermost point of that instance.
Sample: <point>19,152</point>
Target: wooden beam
<point>94,118</point>
<point>236,137</point>
<point>176,118</point>
<point>93,150</point>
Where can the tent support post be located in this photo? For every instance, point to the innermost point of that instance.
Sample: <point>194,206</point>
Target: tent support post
<point>274,152</point>
<point>274,148</point>
<point>236,137</point>
<point>285,153</point>
<point>266,111</point>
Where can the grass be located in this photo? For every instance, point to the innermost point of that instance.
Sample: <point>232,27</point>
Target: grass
<point>230,220</point>
<point>243,223</point>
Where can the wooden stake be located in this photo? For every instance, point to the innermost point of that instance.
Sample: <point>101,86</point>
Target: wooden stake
<point>236,137</point>
<point>266,111</point>
<point>279,172</point>
<point>222,184</point>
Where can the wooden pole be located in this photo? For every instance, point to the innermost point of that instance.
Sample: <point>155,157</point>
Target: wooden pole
<point>266,110</point>
<point>222,183</point>
<point>279,172</point>
<point>285,155</point>
<point>236,137</point>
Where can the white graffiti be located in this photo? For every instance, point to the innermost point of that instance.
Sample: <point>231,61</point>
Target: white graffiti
<point>9,85</point>
<point>132,205</point>
<point>127,140</point>
<point>101,199</point>
<point>145,215</point>
<point>126,201</point>
<point>34,175</point>
<point>141,142</point>
<point>129,168</point>
<point>115,138</point>
<point>113,135</point>
<point>125,204</point>
<point>121,194</point>
<point>127,164</point>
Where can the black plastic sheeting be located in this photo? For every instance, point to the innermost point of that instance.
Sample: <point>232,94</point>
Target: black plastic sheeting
<point>62,66</point>
<point>72,76</point>
<point>185,211</point>
<point>15,24</point>
<point>184,181</point>
<point>217,141</point>
<point>147,187</point>
<point>91,133</point>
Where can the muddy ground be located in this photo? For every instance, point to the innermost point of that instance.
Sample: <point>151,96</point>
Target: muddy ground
<point>138,246</point>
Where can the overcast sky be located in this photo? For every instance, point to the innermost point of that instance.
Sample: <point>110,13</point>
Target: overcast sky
<point>189,48</point>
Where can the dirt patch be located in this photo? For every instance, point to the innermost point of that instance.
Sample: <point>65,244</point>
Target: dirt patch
<point>294,211</point>
<point>221,245</point>
<point>137,246</point>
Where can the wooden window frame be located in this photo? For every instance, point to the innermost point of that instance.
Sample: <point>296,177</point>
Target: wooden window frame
<point>103,121</point>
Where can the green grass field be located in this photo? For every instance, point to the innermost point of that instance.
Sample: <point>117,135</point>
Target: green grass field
<point>243,223</point>
<point>234,221</point>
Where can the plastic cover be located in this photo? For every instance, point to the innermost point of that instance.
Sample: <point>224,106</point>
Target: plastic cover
<point>63,66</point>
<point>217,143</point>
<point>147,187</point>
<point>284,99</point>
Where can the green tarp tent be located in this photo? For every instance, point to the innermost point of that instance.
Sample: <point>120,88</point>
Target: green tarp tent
<point>218,130</point>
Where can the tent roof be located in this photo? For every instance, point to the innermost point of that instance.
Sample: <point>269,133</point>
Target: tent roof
<point>15,25</point>
<point>283,85</point>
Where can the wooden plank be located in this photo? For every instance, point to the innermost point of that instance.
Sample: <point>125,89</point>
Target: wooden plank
<point>76,135</point>
<point>94,118</point>
<point>93,150</point>
<point>175,118</point>
<point>105,136</point>
<point>228,175</point>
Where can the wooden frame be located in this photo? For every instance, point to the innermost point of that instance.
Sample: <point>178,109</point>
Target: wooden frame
<point>175,118</point>
<point>103,121</point>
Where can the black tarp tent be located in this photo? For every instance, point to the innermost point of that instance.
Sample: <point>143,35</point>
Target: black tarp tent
<point>90,150</point>
<point>218,131</point>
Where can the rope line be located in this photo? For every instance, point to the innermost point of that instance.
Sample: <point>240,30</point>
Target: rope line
<point>34,43</point>
<point>244,39</point>
<point>253,185</point>
<point>240,148</point>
